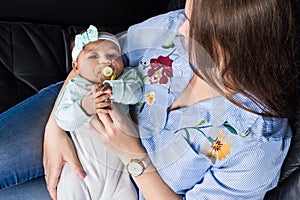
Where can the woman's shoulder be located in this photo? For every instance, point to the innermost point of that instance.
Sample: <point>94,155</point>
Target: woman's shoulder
<point>249,125</point>
<point>254,123</point>
<point>243,132</point>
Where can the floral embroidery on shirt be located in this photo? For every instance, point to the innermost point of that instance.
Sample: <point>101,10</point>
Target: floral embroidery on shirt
<point>171,44</point>
<point>149,99</point>
<point>219,147</point>
<point>160,70</point>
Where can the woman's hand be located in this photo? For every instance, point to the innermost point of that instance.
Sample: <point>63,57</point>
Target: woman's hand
<point>118,132</point>
<point>58,149</point>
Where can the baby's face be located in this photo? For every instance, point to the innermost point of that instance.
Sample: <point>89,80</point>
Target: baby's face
<point>97,55</point>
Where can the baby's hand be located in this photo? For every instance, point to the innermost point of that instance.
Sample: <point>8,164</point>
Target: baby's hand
<point>102,102</point>
<point>97,99</point>
<point>105,88</point>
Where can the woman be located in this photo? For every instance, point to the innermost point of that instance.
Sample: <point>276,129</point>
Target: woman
<point>221,132</point>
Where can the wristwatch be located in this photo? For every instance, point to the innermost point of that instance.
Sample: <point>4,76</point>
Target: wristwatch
<point>136,167</point>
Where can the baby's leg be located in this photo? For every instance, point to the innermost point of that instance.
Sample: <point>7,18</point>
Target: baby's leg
<point>118,185</point>
<point>70,186</point>
<point>106,177</point>
<point>73,188</point>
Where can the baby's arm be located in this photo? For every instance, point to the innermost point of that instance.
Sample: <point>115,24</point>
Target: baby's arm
<point>68,113</point>
<point>128,88</point>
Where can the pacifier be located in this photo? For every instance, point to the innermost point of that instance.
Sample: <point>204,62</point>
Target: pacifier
<point>107,74</point>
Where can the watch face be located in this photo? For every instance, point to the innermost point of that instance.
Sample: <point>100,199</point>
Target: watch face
<point>135,168</point>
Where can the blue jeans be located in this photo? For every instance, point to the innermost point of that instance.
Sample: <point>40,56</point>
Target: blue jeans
<point>21,137</point>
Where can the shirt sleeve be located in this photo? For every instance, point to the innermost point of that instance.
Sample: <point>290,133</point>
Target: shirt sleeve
<point>247,175</point>
<point>68,114</point>
<point>128,88</point>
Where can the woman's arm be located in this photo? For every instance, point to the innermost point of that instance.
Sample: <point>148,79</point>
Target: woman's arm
<point>119,134</point>
<point>153,187</point>
<point>58,149</point>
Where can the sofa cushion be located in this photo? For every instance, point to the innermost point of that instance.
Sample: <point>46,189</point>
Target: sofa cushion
<point>109,13</point>
<point>32,56</point>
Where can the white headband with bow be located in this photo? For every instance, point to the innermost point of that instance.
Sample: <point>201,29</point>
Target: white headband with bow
<point>91,35</point>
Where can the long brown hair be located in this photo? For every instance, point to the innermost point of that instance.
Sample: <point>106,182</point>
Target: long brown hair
<point>255,41</point>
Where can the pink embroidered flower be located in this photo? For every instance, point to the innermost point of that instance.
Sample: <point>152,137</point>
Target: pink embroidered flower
<point>160,70</point>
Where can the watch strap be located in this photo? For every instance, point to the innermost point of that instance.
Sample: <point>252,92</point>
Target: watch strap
<point>146,161</point>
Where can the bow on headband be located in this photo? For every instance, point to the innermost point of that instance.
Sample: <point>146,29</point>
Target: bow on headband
<point>90,35</point>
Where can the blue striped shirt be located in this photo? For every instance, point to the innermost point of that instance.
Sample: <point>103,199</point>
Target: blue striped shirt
<point>213,149</point>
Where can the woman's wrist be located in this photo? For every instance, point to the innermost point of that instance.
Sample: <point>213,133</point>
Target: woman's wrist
<point>127,157</point>
<point>136,167</point>
<point>152,185</point>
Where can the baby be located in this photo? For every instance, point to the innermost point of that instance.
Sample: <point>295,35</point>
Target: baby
<point>101,78</point>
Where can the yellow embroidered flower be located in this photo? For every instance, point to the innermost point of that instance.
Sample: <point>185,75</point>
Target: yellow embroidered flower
<point>220,148</point>
<point>150,98</point>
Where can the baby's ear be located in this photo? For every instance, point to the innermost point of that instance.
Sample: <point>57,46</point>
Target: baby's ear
<point>75,67</point>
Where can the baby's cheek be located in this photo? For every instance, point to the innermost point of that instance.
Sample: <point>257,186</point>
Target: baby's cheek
<point>119,69</point>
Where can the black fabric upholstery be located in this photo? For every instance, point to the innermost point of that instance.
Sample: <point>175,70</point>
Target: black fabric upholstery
<point>73,12</point>
<point>31,57</point>
<point>35,35</point>
<point>34,52</point>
